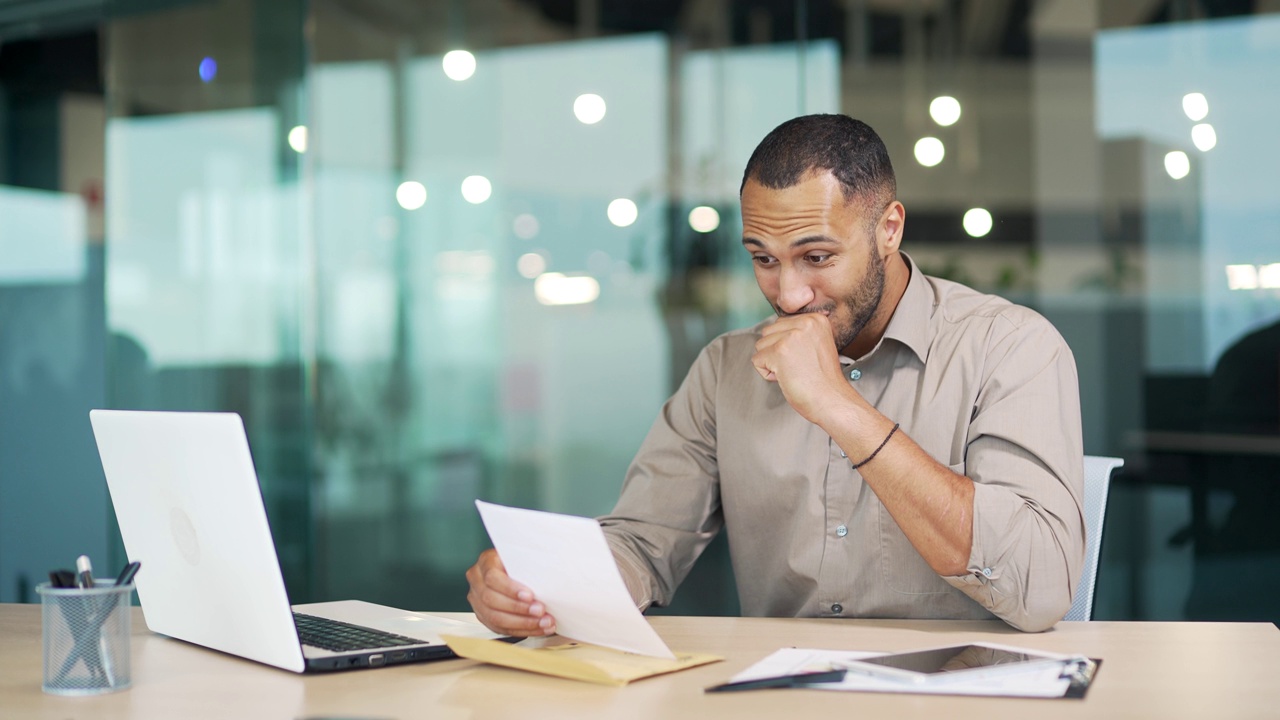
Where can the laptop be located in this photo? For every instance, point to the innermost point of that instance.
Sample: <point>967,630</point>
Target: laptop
<point>190,510</point>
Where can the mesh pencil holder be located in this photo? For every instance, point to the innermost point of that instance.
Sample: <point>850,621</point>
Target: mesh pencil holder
<point>85,638</point>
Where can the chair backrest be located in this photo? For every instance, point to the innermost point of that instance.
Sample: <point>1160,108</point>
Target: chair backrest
<point>1097,480</point>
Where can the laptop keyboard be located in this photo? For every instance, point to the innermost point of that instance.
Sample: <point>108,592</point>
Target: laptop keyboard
<point>338,636</point>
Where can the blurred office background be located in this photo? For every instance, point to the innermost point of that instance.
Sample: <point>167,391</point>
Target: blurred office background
<point>436,250</point>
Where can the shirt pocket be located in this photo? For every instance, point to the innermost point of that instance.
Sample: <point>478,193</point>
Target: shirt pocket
<point>903,569</point>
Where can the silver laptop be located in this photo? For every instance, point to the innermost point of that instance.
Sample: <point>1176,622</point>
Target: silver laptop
<point>190,510</point>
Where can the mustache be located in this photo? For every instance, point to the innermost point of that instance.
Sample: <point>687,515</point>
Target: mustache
<point>825,308</point>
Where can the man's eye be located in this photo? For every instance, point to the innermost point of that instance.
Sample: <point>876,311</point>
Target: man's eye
<point>763,260</point>
<point>816,258</point>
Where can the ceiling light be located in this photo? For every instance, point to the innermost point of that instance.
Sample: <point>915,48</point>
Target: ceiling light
<point>945,110</point>
<point>622,212</point>
<point>929,151</point>
<point>1195,105</point>
<point>411,195</point>
<point>977,222</point>
<point>459,65</point>
<point>1204,137</point>
<point>589,109</point>
<point>1177,164</point>
<point>704,219</point>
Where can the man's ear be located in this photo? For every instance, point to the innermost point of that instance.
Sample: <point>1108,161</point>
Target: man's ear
<point>889,229</point>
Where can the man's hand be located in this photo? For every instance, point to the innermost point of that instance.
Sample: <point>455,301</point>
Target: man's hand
<point>502,604</point>
<point>799,353</point>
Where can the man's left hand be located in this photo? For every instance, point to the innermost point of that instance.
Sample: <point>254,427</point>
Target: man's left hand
<point>799,353</point>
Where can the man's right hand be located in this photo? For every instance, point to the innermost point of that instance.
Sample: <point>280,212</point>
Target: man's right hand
<point>502,604</point>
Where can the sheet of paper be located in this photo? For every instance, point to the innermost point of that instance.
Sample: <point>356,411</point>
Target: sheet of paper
<point>567,563</point>
<point>1044,682</point>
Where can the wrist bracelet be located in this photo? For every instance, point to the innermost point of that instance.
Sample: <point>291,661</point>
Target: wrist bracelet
<point>875,452</point>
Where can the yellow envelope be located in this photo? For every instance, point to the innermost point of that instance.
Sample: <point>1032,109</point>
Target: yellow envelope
<point>576,661</point>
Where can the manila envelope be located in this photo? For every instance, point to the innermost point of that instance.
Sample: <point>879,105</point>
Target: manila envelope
<point>577,661</point>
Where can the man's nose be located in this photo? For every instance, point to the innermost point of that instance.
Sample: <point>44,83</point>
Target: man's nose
<point>794,292</point>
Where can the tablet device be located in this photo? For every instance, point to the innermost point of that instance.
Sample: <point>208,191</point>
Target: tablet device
<point>972,661</point>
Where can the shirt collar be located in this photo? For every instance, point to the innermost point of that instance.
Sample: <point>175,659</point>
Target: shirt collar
<point>910,322</point>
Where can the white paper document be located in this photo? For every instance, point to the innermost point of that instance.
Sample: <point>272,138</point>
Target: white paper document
<point>1041,682</point>
<point>566,562</point>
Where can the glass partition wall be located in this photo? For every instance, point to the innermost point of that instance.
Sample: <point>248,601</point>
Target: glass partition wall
<point>209,279</point>
<point>434,251</point>
<point>519,250</point>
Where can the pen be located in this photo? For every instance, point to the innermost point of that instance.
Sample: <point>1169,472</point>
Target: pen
<point>94,646</point>
<point>126,575</point>
<point>62,579</point>
<point>781,681</point>
<point>88,640</point>
<point>84,572</point>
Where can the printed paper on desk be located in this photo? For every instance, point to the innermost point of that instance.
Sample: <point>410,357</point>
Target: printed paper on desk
<point>1037,682</point>
<point>566,562</point>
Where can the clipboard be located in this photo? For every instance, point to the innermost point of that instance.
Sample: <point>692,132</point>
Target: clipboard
<point>1082,677</point>
<point>1069,680</point>
<point>564,658</point>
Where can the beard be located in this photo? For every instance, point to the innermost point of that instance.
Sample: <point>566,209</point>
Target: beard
<point>859,306</point>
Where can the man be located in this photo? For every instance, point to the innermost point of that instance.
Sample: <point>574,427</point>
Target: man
<point>891,445</point>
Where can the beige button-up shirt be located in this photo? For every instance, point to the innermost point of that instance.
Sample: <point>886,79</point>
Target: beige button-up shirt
<point>986,387</point>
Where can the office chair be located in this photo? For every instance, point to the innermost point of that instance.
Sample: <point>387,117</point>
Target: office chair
<point>1097,480</point>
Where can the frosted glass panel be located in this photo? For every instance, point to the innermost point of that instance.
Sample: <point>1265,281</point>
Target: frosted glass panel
<point>203,259</point>
<point>1143,76</point>
<point>42,236</point>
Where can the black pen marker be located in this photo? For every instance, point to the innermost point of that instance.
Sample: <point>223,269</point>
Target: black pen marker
<point>798,680</point>
<point>62,579</point>
<point>84,572</point>
<point>126,575</point>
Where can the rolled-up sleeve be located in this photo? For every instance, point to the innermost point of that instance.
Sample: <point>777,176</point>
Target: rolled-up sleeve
<point>1025,456</point>
<point>669,509</point>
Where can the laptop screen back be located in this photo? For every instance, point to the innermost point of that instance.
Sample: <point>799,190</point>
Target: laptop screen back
<point>190,510</point>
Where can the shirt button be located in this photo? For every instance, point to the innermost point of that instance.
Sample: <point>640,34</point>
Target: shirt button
<point>854,374</point>
<point>843,455</point>
<point>841,531</point>
<point>986,572</point>
<point>837,608</point>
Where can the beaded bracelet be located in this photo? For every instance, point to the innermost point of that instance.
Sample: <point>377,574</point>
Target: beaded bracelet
<point>872,456</point>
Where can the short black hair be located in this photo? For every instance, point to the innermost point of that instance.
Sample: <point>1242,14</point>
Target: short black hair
<point>848,148</point>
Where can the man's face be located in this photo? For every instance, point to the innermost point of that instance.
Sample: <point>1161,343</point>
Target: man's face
<point>814,252</point>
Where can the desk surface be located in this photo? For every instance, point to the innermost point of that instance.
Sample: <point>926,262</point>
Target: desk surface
<point>1205,443</point>
<point>1156,670</point>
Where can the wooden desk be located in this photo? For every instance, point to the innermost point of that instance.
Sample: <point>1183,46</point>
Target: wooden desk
<point>1150,670</point>
<point>1205,443</point>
